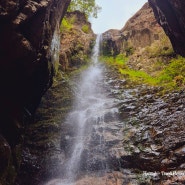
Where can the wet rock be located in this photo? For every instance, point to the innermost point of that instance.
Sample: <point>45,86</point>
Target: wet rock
<point>42,152</point>
<point>153,132</point>
<point>5,156</point>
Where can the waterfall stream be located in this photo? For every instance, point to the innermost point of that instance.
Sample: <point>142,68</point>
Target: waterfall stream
<point>93,139</point>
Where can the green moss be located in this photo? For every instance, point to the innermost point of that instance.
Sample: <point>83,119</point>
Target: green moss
<point>174,72</point>
<point>85,28</point>
<point>118,61</point>
<point>172,75</point>
<point>139,76</point>
<point>67,23</point>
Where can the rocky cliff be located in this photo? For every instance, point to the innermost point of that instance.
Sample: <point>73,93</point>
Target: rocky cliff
<point>142,39</point>
<point>171,16</point>
<point>140,31</point>
<point>26,69</point>
<point>77,39</point>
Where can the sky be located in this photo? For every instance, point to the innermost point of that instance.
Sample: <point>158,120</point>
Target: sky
<point>114,14</point>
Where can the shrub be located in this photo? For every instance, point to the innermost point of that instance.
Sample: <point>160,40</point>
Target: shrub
<point>85,28</point>
<point>67,23</point>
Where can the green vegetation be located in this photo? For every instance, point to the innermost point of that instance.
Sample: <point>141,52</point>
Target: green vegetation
<point>85,28</point>
<point>171,77</point>
<point>160,47</point>
<point>119,61</point>
<point>89,7</point>
<point>174,72</point>
<point>67,23</point>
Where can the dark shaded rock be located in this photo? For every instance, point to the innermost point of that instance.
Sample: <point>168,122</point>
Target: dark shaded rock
<point>26,70</point>
<point>171,16</point>
<point>111,42</point>
<point>41,150</point>
<point>5,155</point>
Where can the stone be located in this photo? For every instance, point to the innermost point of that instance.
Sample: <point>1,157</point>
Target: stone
<point>76,44</point>
<point>5,155</point>
<point>140,31</point>
<point>26,69</point>
<point>171,16</point>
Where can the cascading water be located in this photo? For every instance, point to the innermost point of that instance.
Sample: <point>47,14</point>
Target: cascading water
<point>55,48</point>
<point>85,147</point>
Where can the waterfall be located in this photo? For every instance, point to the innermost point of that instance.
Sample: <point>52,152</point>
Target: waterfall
<point>87,111</point>
<point>85,146</point>
<point>55,49</point>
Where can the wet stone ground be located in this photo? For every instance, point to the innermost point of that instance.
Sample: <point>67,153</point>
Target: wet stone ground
<point>153,134</point>
<point>151,146</point>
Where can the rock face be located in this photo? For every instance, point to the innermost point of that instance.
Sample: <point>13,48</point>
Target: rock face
<point>171,16</point>
<point>26,69</point>
<point>142,40</point>
<point>140,31</point>
<point>76,40</point>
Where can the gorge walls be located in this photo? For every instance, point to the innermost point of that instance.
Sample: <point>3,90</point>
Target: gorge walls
<point>77,40</point>
<point>142,40</point>
<point>26,70</point>
<point>171,16</point>
<point>141,30</point>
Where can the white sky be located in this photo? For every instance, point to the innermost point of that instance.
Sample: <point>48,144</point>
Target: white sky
<point>115,13</point>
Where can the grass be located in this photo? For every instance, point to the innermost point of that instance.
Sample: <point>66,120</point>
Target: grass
<point>118,61</point>
<point>170,78</point>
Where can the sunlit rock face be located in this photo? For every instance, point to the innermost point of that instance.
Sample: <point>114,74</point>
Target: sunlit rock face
<point>76,42</point>
<point>141,30</point>
<point>171,16</point>
<point>26,69</point>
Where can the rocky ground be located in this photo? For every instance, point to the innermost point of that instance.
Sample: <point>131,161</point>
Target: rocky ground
<point>154,131</point>
<point>153,142</point>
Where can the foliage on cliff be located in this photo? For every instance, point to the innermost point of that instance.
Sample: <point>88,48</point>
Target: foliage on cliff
<point>77,39</point>
<point>88,7</point>
<point>146,51</point>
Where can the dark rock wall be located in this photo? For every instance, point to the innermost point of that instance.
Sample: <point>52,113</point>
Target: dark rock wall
<point>112,42</point>
<point>26,70</point>
<point>170,15</point>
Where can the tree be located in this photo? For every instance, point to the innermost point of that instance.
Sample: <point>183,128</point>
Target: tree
<point>89,7</point>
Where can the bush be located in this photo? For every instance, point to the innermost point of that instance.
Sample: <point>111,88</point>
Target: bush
<point>175,71</point>
<point>85,28</point>
<point>67,23</point>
